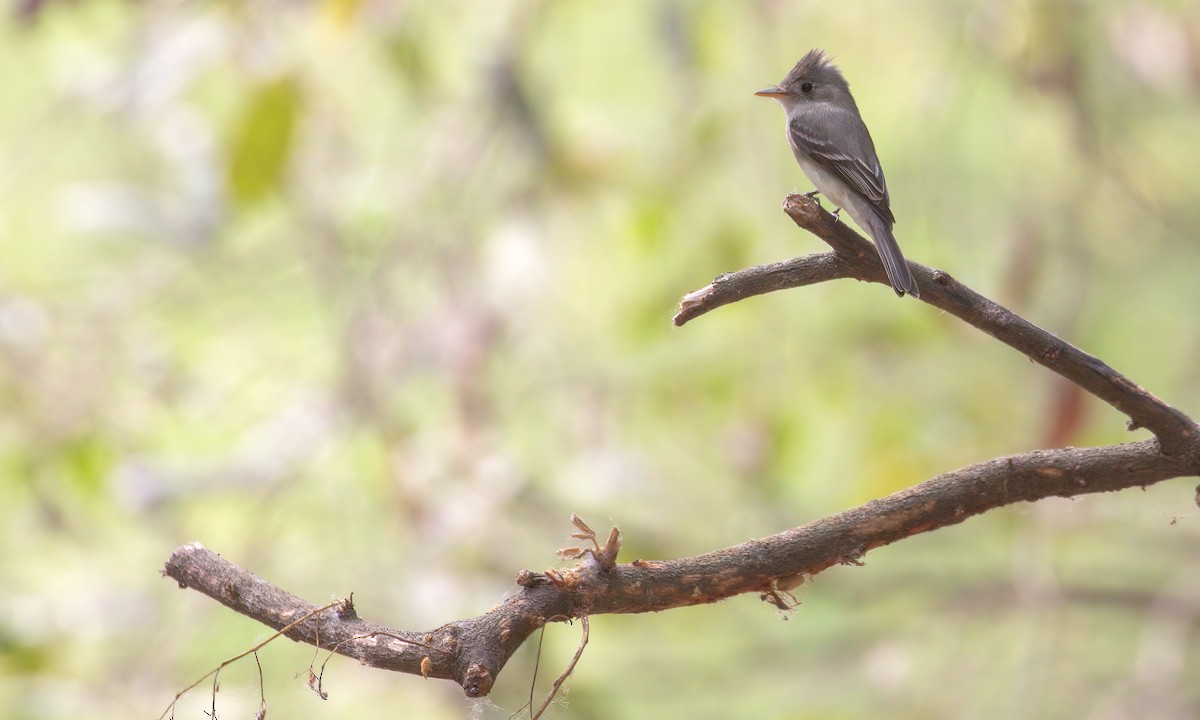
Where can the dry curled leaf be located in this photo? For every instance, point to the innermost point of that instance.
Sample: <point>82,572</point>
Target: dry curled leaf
<point>570,553</point>
<point>579,523</point>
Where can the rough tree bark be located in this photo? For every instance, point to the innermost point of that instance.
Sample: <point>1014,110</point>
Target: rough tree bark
<point>472,652</point>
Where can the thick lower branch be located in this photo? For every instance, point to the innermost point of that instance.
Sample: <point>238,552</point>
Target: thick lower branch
<point>854,256</point>
<point>472,652</point>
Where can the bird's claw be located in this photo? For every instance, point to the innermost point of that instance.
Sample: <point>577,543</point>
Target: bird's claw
<point>837,212</point>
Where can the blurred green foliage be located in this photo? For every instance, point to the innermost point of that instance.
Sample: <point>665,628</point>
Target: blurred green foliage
<point>261,143</point>
<point>371,296</point>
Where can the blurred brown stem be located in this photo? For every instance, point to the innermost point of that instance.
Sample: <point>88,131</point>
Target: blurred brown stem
<point>472,652</point>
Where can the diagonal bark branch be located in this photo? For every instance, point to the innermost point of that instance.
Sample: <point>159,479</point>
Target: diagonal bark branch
<point>854,257</point>
<point>472,652</point>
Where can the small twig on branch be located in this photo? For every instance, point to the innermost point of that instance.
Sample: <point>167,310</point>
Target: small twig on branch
<point>262,692</point>
<point>215,672</point>
<point>562,678</point>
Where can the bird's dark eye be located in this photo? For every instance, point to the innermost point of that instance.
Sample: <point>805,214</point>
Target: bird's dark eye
<point>806,88</point>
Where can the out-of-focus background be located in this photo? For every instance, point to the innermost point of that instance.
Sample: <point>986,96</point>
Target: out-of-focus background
<point>370,296</point>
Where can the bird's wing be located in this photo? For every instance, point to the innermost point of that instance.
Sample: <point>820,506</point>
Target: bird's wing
<point>838,140</point>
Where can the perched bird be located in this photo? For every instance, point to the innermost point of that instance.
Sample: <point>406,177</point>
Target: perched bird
<point>834,149</point>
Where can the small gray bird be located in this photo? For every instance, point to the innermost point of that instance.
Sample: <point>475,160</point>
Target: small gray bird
<point>834,149</point>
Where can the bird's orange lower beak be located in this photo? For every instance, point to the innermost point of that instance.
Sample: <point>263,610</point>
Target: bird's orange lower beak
<point>775,91</point>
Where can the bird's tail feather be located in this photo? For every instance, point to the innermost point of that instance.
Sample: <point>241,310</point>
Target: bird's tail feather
<point>893,260</point>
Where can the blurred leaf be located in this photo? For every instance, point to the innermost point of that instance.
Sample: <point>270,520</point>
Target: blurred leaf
<point>341,13</point>
<point>406,56</point>
<point>262,141</point>
<point>21,657</point>
<point>88,461</point>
